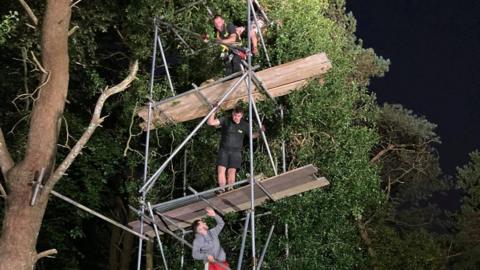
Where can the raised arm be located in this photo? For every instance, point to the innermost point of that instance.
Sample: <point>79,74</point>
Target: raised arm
<point>220,223</point>
<point>213,120</point>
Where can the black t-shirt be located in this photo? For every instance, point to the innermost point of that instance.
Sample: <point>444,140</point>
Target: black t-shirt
<point>226,31</point>
<point>232,134</point>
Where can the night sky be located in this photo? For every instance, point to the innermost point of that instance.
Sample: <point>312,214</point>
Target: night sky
<point>434,49</point>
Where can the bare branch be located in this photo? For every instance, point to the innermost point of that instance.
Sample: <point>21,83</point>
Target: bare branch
<point>37,63</point>
<point>71,31</point>
<point>6,161</point>
<point>94,123</point>
<point>131,135</point>
<point>29,12</point>
<point>32,95</point>
<point>46,253</point>
<point>74,4</point>
<point>18,122</point>
<point>67,136</point>
<point>3,193</point>
<point>390,147</point>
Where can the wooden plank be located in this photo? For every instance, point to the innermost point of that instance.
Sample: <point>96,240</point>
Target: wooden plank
<point>279,80</point>
<point>281,186</point>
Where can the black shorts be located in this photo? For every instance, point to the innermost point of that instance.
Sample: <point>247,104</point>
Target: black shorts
<point>232,64</point>
<point>229,159</point>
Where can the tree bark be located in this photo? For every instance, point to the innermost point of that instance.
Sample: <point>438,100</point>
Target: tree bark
<point>114,249</point>
<point>6,161</point>
<point>149,256</point>
<point>121,243</point>
<point>127,251</point>
<point>21,223</point>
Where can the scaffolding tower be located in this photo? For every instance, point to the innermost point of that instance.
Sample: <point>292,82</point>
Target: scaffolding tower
<point>175,214</point>
<point>167,217</point>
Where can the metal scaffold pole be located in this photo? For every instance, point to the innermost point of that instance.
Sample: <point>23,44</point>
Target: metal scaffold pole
<point>184,189</point>
<point>250,124</point>
<point>164,59</point>
<point>147,143</point>
<point>157,234</point>
<point>260,34</point>
<point>244,237</point>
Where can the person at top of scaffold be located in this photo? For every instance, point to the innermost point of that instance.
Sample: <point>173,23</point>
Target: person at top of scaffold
<point>230,36</point>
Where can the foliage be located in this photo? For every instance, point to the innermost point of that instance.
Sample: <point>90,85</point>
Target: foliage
<point>467,248</point>
<point>7,24</point>
<point>410,220</point>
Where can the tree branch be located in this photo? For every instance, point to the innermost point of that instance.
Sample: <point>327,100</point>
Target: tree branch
<point>71,31</point>
<point>131,135</point>
<point>6,161</point>
<point>94,123</point>
<point>390,147</point>
<point>367,241</point>
<point>29,12</point>
<point>46,253</point>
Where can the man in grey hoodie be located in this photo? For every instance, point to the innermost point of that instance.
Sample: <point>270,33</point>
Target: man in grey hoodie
<point>206,245</point>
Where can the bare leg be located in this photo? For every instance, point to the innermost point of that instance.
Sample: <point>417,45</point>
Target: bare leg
<point>231,173</point>
<point>221,175</point>
<point>253,36</point>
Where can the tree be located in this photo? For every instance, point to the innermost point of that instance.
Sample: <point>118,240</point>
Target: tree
<point>408,229</point>
<point>466,251</point>
<point>21,223</point>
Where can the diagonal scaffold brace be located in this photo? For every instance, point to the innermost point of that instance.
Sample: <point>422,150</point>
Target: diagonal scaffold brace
<point>148,219</point>
<point>157,234</point>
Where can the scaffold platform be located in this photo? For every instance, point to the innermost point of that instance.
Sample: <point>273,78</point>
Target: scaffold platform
<point>180,213</point>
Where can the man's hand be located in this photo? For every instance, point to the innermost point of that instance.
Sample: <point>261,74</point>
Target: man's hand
<point>210,212</point>
<point>239,30</point>
<point>210,258</point>
<point>204,37</point>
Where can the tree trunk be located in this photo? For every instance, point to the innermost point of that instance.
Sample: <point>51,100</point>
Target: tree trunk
<point>149,256</point>
<point>21,223</point>
<point>121,243</point>
<point>127,251</point>
<point>114,252</point>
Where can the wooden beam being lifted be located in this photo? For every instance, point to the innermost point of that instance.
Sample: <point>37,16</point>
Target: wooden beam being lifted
<point>279,80</point>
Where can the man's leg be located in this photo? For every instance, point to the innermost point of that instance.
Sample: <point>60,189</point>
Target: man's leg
<point>228,66</point>
<point>253,36</point>
<point>221,175</point>
<point>236,63</point>
<point>222,163</point>
<point>231,173</point>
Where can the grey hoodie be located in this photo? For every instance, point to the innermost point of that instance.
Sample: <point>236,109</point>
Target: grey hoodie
<point>204,245</point>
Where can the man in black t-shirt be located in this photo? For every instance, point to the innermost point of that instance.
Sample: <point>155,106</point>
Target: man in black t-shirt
<point>230,34</point>
<point>231,144</point>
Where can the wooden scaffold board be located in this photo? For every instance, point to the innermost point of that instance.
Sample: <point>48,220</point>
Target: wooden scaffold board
<point>279,81</point>
<point>281,186</point>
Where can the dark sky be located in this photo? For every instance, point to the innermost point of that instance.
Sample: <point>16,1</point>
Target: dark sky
<point>434,48</point>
